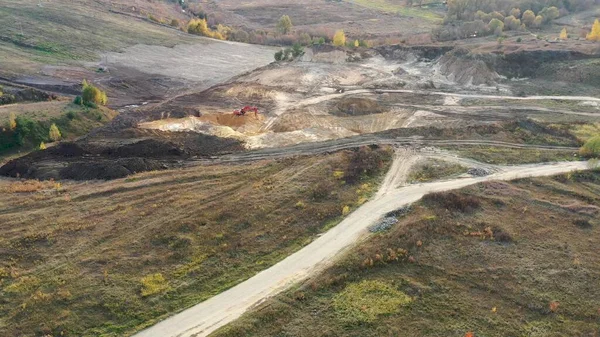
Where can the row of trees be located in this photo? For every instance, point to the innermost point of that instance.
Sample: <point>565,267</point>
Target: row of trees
<point>464,10</point>
<point>21,130</point>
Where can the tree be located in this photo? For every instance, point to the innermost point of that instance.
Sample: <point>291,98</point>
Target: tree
<point>12,121</point>
<point>54,133</point>
<point>42,146</point>
<point>356,44</point>
<point>339,39</point>
<point>563,34</point>
<point>284,25</point>
<point>496,26</point>
<point>549,13</point>
<point>594,35</point>
<point>515,12</point>
<point>528,18</point>
<point>92,95</point>
<point>538,21</point>
<point>512,23</point>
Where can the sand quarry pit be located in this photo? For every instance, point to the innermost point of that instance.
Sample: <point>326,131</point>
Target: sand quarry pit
<point>309,101</point>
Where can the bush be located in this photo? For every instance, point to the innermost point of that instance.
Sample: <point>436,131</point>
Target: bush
<point>78,100</point>
<point>364,162</point>
<point>279,56</point>
<point>591,148</point>
<point>452,201</point>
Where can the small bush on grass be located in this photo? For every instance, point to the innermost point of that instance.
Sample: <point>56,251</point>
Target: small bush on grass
<point>154,284</point>
<point>363,302</point>
<point>452,201</point>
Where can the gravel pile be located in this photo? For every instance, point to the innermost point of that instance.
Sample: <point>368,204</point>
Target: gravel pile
<point>478,172</point>
<point>384,225</point>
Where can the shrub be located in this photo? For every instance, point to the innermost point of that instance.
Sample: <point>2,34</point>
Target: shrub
<point>452,201</point>
<point>279,56</point>
<point>321,191</point>
<point>153,284</point>
<point>174,23</point>
<point>364,162</point>
<point>42,146</point>
<point>539,20</point>
<point>519,40</point>
<point>297,50</point>
<point>78,100</point>
<point>339,39</point>
<point>363,302</point>
<point>591,148</point>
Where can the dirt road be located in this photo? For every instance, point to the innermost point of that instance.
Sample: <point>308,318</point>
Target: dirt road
<point>221,309</point>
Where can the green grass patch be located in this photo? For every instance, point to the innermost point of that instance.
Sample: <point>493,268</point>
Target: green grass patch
<point>365,301</point>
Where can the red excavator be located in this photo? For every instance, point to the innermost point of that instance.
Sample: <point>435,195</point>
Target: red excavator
<point>245,110</point>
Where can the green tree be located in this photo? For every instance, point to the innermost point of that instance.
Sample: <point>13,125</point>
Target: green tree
<point>284,25</point>
<point>12,121</point>
<point>279,56</point>
<point>339,39</point>
<point>297,50</point>
<point>54,133</point>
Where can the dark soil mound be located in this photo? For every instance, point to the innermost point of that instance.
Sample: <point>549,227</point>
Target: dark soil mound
<point>356,106</point>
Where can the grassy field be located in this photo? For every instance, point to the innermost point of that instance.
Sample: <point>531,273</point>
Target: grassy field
<point>508,156</point>
<point>65,32</point>
<point>106,259</point>
<point>399,8</point>
<point>495,259</point>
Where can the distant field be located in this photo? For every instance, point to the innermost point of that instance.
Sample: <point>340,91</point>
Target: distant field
<point>495,259</point>
<point>398,8</point>
<point>62,32</point>
<point>108,258</point>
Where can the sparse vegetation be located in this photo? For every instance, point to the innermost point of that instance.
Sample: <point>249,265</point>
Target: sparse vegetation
<point>435,169</point>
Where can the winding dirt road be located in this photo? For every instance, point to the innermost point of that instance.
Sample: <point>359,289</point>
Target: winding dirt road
<point>221,309</point>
